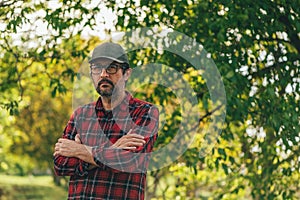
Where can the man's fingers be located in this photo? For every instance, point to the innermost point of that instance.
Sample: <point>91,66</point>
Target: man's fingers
<point>124,147</point>
<point>57,148</point>
<point>65,141</point>
<point>129,143</point>
<point>134,140</point>
<point>133,143</point>
<point>128,148</point>
<point>61,140</point>
<point>133,135</point>
<point>77,139</point>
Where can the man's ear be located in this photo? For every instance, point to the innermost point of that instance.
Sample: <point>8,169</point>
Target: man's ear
<point>127,74</point>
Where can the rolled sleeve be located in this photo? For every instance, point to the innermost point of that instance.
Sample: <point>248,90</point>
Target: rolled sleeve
<point>68,166</point>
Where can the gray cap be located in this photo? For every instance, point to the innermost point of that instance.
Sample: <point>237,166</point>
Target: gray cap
<point>111,51</point>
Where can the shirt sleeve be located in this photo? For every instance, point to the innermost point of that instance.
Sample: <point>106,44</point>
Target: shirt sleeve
<point>132,161</point>
<point>68,166</point>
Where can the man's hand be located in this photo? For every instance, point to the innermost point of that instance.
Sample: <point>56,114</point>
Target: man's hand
<point>131,141</point>
<point>66,147</point>
<point>71,148</point>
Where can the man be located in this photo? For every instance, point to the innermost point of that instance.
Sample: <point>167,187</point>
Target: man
<point>106,144</point>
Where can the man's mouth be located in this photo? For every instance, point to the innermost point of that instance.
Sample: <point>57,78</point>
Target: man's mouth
<point>105,83</point>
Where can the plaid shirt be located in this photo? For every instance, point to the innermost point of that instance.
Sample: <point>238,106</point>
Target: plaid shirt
<point>121,174</point>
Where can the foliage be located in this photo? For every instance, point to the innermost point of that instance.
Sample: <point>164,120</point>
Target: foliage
<point>255,46</point>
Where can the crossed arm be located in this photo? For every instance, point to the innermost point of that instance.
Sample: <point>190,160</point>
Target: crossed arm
<point>74,148</point>
<point>126,154</point>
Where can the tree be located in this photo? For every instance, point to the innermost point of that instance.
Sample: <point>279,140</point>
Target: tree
<point>255,46</point>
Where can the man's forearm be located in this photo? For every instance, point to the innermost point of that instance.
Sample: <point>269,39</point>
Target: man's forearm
<point>70,148</point>
<point>85,154</point>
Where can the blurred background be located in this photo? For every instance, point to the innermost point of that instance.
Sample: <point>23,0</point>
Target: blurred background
<point>255,46</point>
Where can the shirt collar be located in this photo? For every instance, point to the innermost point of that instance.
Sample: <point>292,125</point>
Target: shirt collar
<point>122,106</point>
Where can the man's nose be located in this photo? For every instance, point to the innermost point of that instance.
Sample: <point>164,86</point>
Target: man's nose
<point>104,73</point>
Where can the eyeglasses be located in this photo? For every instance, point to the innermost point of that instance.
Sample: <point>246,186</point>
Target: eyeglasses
<point>112,68</point>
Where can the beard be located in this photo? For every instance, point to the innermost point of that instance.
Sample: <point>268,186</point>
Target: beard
<point>106,92</point>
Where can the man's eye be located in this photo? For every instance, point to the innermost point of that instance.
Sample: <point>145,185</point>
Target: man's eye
<point>113,66</point>
<point>97,68</point>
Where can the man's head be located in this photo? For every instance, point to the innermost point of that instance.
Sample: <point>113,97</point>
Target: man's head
<point>111,51</point>
<point>109,69</point>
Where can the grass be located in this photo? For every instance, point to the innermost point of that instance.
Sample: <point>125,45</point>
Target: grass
<point>30,188</point>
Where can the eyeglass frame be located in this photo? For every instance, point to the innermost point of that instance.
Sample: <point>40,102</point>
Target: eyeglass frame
<point>123,66</point>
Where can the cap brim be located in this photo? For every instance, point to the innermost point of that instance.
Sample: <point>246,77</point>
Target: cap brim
<point>111,58</point>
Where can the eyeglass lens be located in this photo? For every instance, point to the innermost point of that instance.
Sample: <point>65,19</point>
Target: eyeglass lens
<point>110,69</point>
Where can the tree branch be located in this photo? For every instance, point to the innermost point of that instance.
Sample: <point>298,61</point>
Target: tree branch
<point>210,113</point>
<point>291,33</point>
<point>205,116</point>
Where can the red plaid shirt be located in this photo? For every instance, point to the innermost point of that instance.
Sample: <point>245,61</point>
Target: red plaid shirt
<point>121,174</point>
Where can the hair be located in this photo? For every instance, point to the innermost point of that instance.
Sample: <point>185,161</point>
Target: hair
<point>125,66</point>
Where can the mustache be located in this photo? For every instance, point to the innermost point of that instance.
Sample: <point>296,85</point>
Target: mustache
<point>105,80</point>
